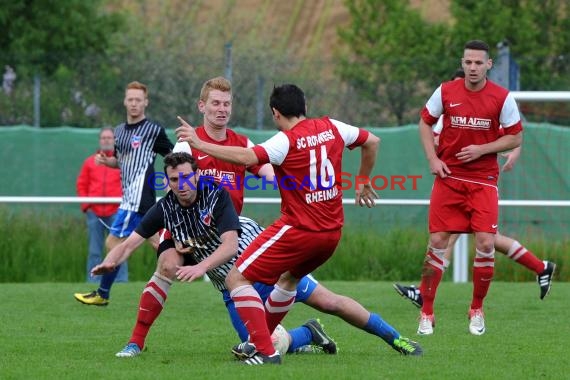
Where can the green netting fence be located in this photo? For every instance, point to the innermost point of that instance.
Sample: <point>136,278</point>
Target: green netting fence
<point>46,161</point>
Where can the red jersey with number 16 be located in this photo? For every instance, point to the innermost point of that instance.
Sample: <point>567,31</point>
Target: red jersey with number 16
<point>307,160</point>
<point>471,118</point>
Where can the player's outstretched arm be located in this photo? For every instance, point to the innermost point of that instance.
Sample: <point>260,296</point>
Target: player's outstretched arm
<point>119,254</point>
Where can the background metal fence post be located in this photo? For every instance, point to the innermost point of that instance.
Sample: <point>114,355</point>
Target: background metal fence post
<point>37,90</point>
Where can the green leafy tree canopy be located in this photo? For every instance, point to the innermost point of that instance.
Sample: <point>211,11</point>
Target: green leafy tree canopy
<point>393,53</point>
<point>39,35</point>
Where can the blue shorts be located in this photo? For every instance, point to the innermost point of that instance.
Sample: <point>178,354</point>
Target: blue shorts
<point>125,223</point>
<point>305,288</point>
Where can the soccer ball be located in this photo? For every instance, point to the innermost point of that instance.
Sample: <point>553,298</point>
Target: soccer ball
<point>182,146</point>
<point>280,339</point>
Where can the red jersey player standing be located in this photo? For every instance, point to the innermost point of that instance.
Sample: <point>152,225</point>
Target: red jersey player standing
<point>465,196</point>
<point>306,155</point>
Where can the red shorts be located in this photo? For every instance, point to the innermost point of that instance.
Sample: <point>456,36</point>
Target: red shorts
<point>463,206</point>
<point>281,248</point>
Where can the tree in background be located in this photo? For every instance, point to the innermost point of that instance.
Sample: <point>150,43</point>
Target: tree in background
<point>539,41</point>
<point>393,54</point>
<point>538,33</point>
<point>52,39</point>
<point>174,58</point>
<point>39,36</point>
<point>389,61</point>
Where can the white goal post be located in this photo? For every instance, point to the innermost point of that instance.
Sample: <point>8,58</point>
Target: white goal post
<point>541,96</point>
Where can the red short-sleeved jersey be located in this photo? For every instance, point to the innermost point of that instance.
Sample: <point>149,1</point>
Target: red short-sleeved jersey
<point>230,176</point>
<point>307,162</point>
<point>471,117</point>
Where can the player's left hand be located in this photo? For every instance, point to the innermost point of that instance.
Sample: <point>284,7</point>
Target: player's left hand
<point>469,153</point>
<point>189,273</point>
<point>104,267</point>
<point>365,195</point>
<point>512,157</point>
<point>185,132</point>
<point>509,164</point>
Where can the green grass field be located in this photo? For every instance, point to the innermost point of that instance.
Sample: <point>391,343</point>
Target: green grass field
<point>46,334</point>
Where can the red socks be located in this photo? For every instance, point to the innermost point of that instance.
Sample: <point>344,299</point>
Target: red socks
<point>251,311</point>
<point>150,307</point>
<point>521,255</point>
<point>278,305</point>
<point>483,270</point>
<point>434,266</point>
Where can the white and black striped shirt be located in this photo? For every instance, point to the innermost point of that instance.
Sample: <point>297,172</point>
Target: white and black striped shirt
<point>201,225</point>
<point>136,146</point>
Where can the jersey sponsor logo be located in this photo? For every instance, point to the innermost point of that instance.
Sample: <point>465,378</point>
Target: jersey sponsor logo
<point>136,141</point>
<point>452,105</point>
<point>201,157</point>
<point>314,140</point>
<point>321,195</point>
<point>205,217</point>
<point>465,122</point>
<point>223,177</point>
<point>494,225</point>
<point>228,177</point>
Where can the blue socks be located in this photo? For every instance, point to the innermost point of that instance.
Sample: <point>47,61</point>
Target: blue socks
<point>377,326</point>
<point>300,336</point>
<point>106,283</point>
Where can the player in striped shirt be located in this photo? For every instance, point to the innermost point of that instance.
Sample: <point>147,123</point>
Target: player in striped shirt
<point>137,142</point>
